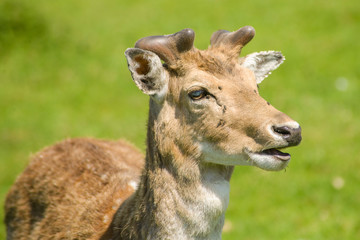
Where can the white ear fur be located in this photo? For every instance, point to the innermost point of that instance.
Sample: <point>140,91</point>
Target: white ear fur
<point>262,63</point>
<point>147,71</point>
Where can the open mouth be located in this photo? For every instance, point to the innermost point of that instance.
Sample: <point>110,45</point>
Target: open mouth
<point>273,152</point>
<point>271,159</point>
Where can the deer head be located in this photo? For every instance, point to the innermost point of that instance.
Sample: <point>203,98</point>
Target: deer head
<point>205,105</point>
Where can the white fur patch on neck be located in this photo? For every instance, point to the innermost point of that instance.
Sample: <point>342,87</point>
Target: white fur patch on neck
<point>262,63</point>
<point>205,211</point>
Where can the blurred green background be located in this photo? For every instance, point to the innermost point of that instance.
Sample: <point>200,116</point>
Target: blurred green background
<point>63,74</point>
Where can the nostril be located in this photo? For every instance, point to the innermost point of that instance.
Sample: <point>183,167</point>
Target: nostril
<point>291,135</point>
<point>284,131</point>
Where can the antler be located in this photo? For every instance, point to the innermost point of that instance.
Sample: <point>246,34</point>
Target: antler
<point>232,40</point>
<point>168,47</point>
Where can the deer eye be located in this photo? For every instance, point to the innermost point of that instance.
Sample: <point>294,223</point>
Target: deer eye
<point>197,94</point>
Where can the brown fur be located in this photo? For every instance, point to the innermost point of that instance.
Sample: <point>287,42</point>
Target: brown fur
<point>71,187</point>
<point>81,188</point>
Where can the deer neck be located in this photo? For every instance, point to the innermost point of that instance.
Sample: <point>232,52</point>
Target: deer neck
<point>178,197</point>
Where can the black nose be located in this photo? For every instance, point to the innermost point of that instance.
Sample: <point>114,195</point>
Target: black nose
<point>291,135</point>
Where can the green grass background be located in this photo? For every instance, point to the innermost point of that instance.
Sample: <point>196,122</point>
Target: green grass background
<point>63,74</point>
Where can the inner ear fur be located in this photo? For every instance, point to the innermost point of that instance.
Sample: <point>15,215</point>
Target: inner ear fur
<point>262,63</point>
<point>147,71</point>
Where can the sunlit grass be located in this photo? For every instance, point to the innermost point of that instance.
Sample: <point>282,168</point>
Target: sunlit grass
<point>63,74</point>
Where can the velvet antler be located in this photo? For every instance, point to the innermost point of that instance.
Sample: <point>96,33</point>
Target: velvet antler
<point>168,47</point>
<point>232,41</point>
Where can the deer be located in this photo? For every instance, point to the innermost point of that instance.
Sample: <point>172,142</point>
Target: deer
<point>206,116</point>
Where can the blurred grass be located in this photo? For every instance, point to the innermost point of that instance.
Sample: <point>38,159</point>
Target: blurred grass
<point>63,74</point>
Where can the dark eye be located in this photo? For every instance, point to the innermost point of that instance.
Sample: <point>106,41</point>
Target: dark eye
<point>197,94</point>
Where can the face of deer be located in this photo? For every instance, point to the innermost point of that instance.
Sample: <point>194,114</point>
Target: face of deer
<point>207,102</point>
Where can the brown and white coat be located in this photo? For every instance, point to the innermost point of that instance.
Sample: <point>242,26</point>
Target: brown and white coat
<point>205,117</point>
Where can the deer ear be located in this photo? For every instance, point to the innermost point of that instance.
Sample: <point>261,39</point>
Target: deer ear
<point>262,63</point>
<point>147,71</point>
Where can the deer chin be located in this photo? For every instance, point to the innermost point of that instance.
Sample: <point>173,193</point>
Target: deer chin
<point>269,159</point>
<point>213,154</point>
